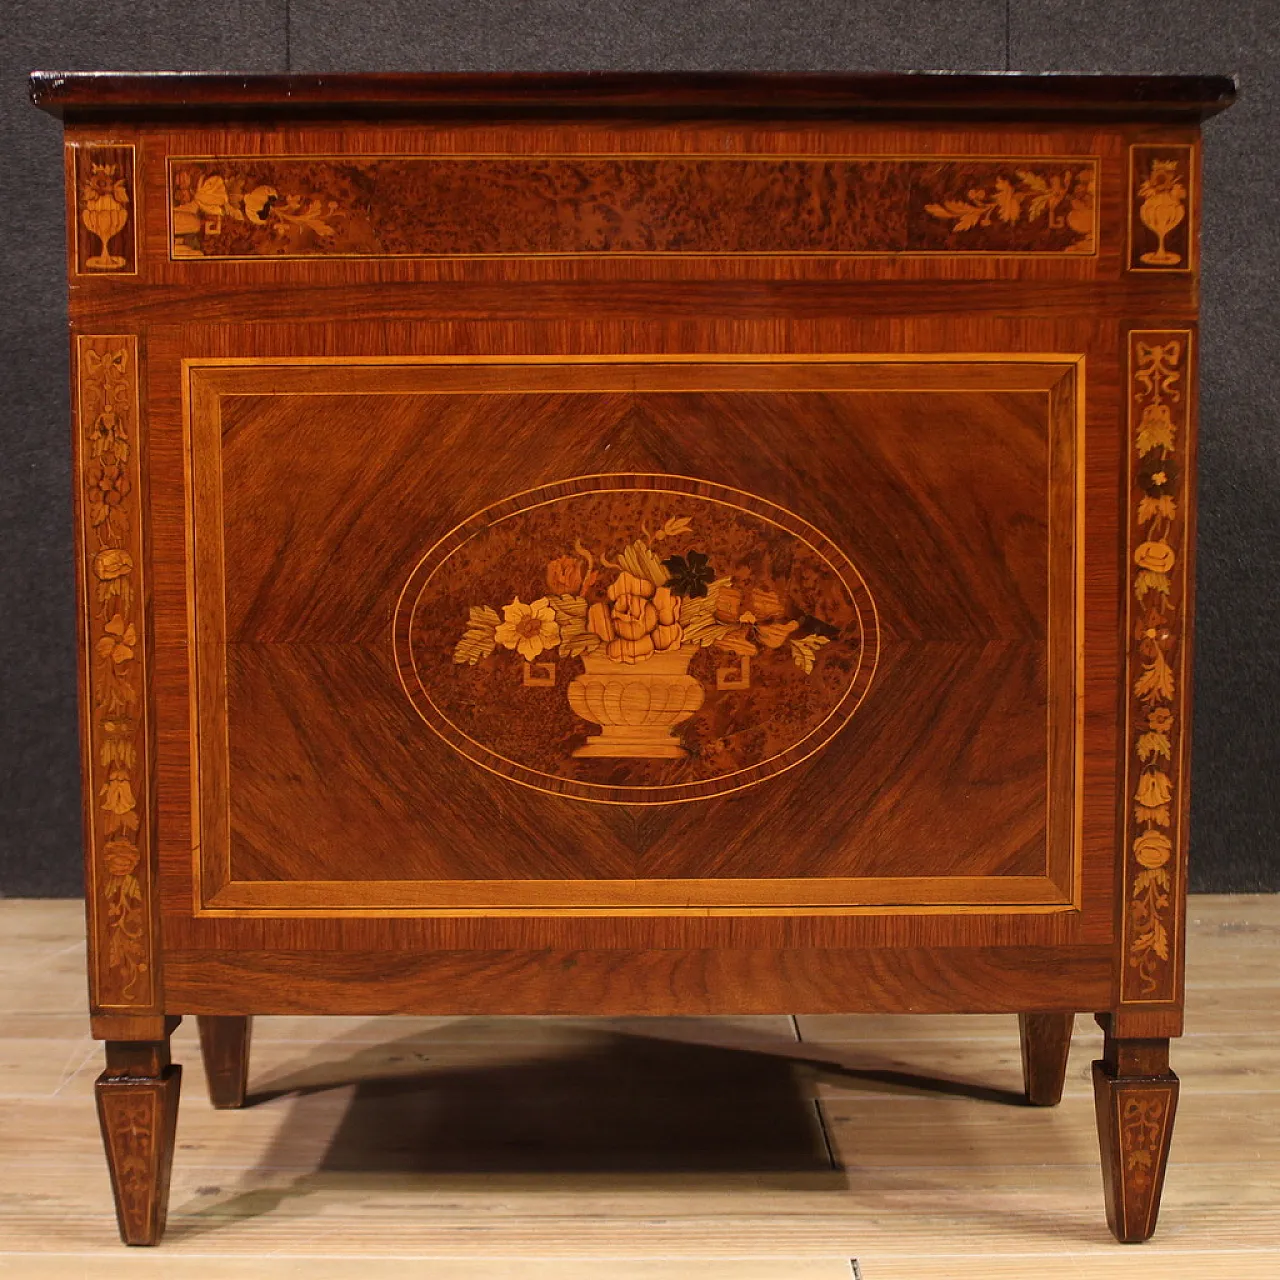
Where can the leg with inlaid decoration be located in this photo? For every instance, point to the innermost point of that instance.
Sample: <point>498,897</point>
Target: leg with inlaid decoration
<point>1046,1042</point>
<point>1135,1096</point>
<point>138,1111</point>
<point>224,1045</point>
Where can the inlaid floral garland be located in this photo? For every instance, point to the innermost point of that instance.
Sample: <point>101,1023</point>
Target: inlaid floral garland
<point>1063,199</point>
<point>107,404</point>
<point>1154,718</point>
<point>637,604</point>
<point>1142,1121</point>
<point>635,619</point>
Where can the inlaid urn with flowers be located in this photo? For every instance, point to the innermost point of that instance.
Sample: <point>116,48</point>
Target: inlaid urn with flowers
<point>104,210</point>
<point>1163,207</point>
<point>635,620</point>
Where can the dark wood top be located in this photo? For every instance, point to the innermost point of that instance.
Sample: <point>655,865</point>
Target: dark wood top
<point>914,95</point>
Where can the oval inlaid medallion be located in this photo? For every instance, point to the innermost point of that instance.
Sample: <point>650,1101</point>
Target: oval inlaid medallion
<point>636,639</point>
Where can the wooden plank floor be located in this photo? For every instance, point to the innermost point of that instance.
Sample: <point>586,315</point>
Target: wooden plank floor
<point>717,1148</point>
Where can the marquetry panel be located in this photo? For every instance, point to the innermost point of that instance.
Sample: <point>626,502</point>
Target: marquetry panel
<point>116,732</point>
<point>104,208</point>
<point>1156,742</point>
<point>331,497</point>
<point>730,663</point>
<point>1161,207</point>
<point>229,207</point>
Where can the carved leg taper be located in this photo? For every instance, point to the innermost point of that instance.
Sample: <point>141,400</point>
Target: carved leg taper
<point>224,1045</point>
<point>1135,1095</point>
<point>138,1111</point>
<point>1046,1042</point>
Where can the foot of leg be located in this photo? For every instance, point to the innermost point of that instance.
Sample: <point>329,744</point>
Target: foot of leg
<point>138,1111</point>
<point>1135,1096</point>
<point>1046,1042</point>
<point>224,1045</point>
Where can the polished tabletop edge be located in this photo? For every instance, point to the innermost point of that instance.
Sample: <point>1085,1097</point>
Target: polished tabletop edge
<point>993,95</point>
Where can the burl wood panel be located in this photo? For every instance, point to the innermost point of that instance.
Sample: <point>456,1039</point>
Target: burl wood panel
<point>962,657</point>
<point>484,205</point>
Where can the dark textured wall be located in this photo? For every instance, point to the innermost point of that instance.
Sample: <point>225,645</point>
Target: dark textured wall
<point>1236,820</point>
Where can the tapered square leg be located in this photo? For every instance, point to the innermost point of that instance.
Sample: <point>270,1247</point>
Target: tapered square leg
<point>138,1111</point>
<point>1135,1096</point>
<point>1046,1044</point>
<point>224,1045</point>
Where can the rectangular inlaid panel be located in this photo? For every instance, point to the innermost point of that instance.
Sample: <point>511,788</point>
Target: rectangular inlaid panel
<point>104,205</point>
<point>645,635</point>
<point>115,678</point>
<point>1156,741</point>
<point>1161,207</point>
<point>634,205</point>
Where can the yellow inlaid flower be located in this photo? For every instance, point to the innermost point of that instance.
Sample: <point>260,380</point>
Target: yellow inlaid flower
<point>1153,849</point>
<point>1154,789</point>
<point>117,796</point>
<point>1158,556</point>
<point>528,628</point>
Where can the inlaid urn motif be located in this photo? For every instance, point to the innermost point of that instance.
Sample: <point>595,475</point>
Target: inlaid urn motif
<point>638,707</point>
<point>104,210</point>
<point>636,639</point>
<point>1163,208</point>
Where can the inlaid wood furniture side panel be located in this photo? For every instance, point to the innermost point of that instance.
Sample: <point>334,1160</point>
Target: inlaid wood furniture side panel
<point>117,707</point>
<point>860,409</point>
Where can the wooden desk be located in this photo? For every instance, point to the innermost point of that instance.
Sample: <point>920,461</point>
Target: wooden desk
<point>634,544</point>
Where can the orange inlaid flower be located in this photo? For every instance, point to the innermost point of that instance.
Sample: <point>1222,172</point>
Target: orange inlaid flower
<point>564,575</point>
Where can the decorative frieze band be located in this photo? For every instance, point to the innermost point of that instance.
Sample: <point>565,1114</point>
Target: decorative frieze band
<point>115,705</point>
<point>481,206</point>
